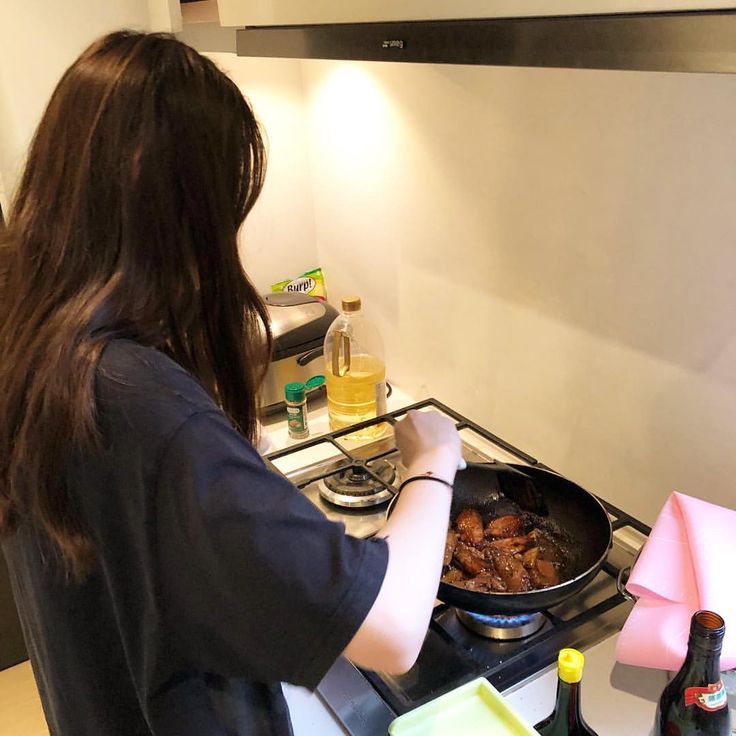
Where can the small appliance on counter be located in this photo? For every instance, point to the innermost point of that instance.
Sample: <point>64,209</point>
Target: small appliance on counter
<point>299,324</point>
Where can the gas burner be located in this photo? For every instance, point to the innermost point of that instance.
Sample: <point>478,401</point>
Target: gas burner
<point>354,487</point>
<point>500,626</point>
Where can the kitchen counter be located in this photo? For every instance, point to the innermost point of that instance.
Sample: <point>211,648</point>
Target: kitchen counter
<point>617,699</point>
<point>276,434</point>
<point>309,715</point>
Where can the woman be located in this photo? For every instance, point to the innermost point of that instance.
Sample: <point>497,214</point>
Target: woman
<point>167,581</point>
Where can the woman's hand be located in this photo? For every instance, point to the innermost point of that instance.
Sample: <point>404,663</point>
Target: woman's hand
<point>428,441</point>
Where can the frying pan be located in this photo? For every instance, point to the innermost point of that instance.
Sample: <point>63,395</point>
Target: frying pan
<point>576,511</point>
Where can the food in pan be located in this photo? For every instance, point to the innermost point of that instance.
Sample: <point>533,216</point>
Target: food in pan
<point>512,553</point>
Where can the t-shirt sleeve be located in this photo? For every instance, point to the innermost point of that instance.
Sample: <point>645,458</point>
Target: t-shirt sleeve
<point>253,580</point>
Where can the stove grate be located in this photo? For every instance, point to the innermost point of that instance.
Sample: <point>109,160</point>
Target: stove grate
<point>452,654</point>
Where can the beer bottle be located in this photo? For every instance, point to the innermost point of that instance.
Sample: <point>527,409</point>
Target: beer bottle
<point>566,719</point>
<point>695,701</point>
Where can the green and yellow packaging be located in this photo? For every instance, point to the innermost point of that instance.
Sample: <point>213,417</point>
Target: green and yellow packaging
<point>311,283</point>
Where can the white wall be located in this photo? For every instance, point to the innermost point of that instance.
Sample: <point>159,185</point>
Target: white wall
<point>277,240</point>
<point>548,251</point>
<point>39,39</point>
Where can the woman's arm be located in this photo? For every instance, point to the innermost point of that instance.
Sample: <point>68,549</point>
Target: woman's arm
<point>392,634</point>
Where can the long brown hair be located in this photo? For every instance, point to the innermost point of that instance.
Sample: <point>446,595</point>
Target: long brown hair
<point>144,166</point>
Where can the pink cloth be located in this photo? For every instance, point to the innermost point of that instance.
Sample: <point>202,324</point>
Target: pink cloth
<point>688,564</point>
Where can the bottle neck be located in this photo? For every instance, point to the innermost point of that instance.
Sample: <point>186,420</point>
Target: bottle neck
<point>706,636</point>
<point>703,659</point>
<point>568,702</point>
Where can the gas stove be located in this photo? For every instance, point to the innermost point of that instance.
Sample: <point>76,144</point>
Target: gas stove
<point>352,480</point>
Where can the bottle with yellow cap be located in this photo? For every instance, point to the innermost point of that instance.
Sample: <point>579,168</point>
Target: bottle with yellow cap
<point>566,719</point>
<point>355,370</point>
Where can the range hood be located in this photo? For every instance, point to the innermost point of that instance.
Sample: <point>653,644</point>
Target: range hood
<point>692,41</point>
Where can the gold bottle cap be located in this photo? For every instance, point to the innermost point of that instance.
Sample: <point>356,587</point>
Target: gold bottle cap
<point>351,304</point>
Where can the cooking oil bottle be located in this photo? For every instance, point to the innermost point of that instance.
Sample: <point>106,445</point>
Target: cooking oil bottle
<point>355,371</point>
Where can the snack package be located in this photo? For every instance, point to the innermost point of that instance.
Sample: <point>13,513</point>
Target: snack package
<point>312,283</point>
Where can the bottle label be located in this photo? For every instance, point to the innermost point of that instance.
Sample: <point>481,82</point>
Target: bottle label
<point>296,419</point>
<point>710,698</point>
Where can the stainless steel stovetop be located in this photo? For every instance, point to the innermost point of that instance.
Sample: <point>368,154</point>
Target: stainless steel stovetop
<point>366,702</point>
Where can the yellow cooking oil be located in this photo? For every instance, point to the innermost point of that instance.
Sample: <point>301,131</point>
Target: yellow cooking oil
<point>358,395</point>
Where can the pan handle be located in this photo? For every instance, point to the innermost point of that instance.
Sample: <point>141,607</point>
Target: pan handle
<point>621,579</point>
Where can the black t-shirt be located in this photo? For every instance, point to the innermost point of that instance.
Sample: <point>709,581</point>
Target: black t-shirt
<point>215,578</point>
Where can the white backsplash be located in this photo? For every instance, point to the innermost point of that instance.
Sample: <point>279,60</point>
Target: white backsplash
<point>548,251</point>
<point>278,239</point>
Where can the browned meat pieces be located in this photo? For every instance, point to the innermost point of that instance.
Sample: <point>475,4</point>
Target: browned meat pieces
<point>470,559</point>
<point>511,570</point>
<point>486,582</point>
<point>511,545</point>
<point>530,557</point>
<point>504,526</point>
<point>450,544</point>
<point>543,574</point>
<point>470,526</point>
<point>454,577</point>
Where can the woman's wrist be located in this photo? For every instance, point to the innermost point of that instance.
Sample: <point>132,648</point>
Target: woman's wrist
<point>439,462</point>
<point>428,476</point>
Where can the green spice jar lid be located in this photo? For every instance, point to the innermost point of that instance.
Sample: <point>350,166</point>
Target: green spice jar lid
<point>294,391</point>
<point>315,382</point>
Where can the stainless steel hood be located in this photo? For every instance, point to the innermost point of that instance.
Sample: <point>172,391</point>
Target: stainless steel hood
<point>699,41</point>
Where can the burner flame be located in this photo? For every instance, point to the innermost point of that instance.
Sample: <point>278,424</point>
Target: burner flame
<point>502,626</point>
<point>503,621</point>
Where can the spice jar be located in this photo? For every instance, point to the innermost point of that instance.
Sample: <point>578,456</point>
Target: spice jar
<point>296,410</point>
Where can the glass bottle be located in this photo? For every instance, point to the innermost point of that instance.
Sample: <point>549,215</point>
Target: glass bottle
<point>695,701</point>
<point>566,718</point>
<point>355,371</point>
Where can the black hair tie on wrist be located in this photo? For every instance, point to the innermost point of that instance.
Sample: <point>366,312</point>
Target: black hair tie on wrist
<point>426,477</point>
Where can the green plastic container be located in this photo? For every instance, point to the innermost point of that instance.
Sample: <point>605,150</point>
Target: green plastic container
<point>474,709</point>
